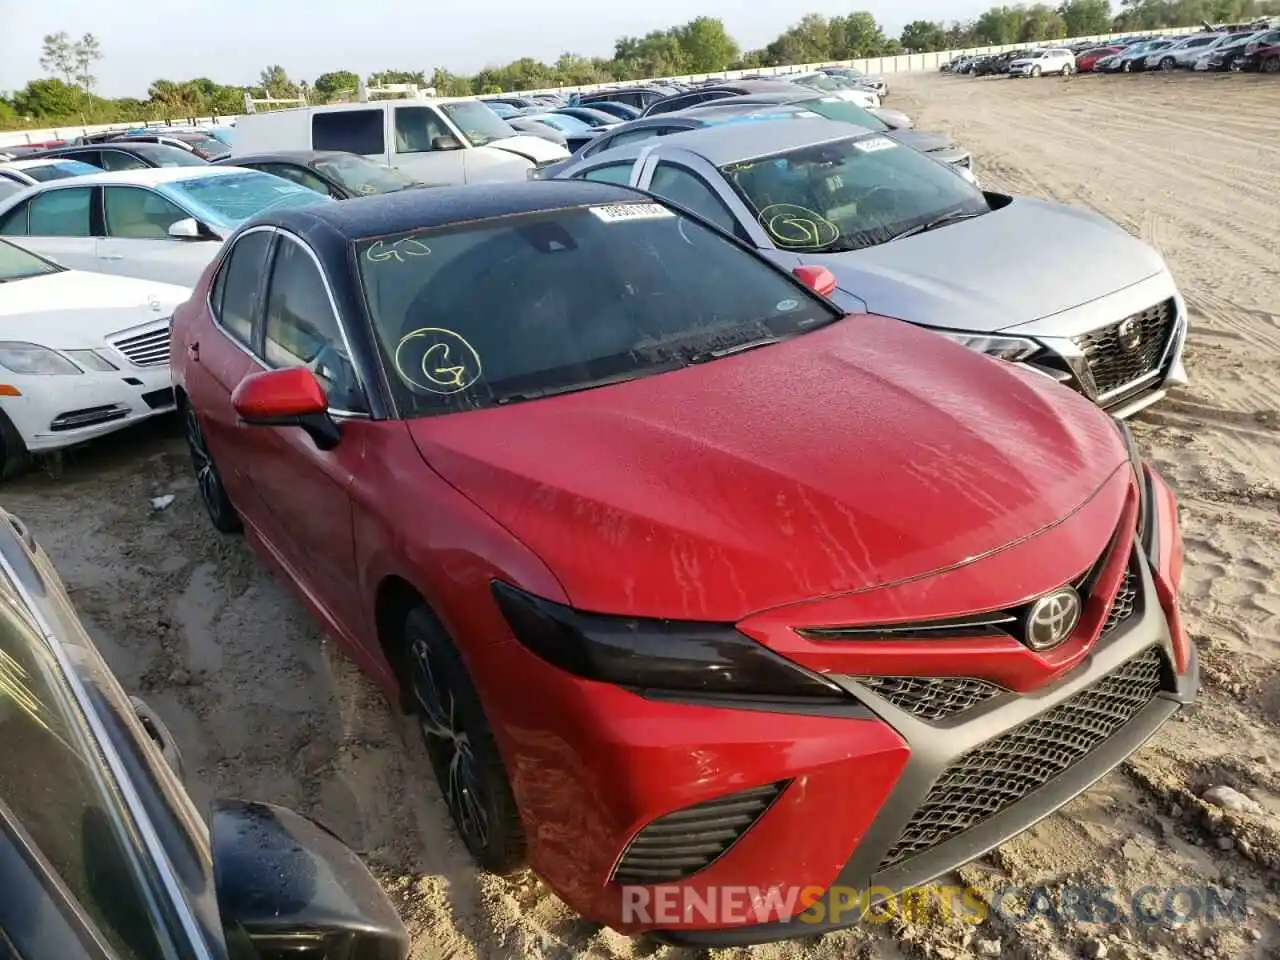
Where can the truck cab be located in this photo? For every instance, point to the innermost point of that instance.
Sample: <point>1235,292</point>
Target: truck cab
<point>440,142</point>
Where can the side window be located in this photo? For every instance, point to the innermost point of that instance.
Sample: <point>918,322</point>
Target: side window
<point>57,789</point>
<point>15,223</point>
<point>611,173</point>
<point>302,329</point>
<point>137,214</point>
<point>91,157</point>
<point>355,131</point>
<point>635,136</point>
<point>689,190</point>
<point>60,213</point>
<point>299,175</point>
<point>235,293</point>
<point>417,128</point>
<point>119,160</point>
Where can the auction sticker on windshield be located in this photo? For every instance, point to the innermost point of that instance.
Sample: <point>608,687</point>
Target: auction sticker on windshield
<point>874,144</point>
<point>615,212</point>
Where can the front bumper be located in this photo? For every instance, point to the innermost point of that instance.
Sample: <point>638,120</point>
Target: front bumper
<point>593,765</point>
<point>54,412</point>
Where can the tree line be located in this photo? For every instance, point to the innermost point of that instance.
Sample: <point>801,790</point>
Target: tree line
<point>66,95</point>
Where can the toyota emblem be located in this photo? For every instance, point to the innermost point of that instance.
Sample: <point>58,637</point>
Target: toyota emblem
<point>1052,618</point>
<point>1129,333</point>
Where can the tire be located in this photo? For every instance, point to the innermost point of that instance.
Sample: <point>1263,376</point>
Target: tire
<point>1066,69</point>
<point>1035,71</point>
<point>1127,66</point>
<point>14,456</point>
<point>1270,65</point>
<point>212,492</point>
<point>1168,64</point>
<point>464,755</point>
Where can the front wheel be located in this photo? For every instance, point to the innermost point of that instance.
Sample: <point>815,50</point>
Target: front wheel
<point>1066,69</point>
<point>1035,71</point>
<point>213,494</point>
<point>1271,65</point>
<point>1128,66</point>
<point>1168,63</point>
<point>460,744</point>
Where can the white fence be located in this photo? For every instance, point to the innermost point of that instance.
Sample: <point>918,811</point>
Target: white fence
<point>908,63</point>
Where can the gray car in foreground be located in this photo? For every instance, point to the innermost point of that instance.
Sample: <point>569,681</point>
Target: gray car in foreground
<point>1060,289</point>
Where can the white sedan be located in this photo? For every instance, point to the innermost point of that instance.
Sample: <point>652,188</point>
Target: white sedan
<point>17,175</point>
<point>163,223</point>
<point>82,354</point>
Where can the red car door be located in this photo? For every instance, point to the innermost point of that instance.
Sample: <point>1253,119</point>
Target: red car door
<point>303,491</point>
<point>214,357</point>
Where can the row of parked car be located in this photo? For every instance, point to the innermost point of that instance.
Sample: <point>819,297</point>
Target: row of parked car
<point>1238,47</point>
<point>760,444</point>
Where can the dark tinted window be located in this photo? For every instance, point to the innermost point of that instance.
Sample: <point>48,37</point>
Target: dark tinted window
<point>60,213</point>
<point>119,160</point>
<point>55,784</point>
<point>295,173</point>
<point>672,104</point>
<point>302,329</point>
<point>686,188</point>
<point>619,173</point>
<point>356,131</point>
<point>606,293</point>
<point>235,294</point>
<point>14,223</point>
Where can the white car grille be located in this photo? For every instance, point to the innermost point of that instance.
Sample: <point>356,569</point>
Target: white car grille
<point>149,348</point>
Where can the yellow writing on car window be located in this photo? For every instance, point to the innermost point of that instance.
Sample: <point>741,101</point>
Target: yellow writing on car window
<point>380,251</point>
<point>794,227</point>
<point>437,360</point>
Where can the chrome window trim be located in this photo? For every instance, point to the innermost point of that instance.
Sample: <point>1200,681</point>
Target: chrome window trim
<point>247,349</point>
<point>128,792</point>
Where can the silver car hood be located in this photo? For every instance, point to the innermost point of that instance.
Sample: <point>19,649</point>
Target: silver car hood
<point>1028,260</point>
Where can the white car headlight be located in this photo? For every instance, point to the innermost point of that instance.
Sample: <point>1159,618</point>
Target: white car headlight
<point>33,359</point>
<point>91,360</point>
<point>1004,348</point>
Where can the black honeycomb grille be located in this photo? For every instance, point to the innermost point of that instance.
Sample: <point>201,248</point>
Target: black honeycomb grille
<point>931,698</point>
<point>1117,357</point>
<point>1004,770</point>
<point>679,844</point>
<point>1124,604</point>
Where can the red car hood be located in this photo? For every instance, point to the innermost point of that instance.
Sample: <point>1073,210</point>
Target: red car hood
<point>852,457</point>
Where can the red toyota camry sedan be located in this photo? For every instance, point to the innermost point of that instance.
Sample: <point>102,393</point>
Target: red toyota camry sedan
<point>696,585</point>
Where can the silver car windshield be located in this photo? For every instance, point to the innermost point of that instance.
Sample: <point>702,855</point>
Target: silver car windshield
<point>478,123</point>
<point>850,194</point>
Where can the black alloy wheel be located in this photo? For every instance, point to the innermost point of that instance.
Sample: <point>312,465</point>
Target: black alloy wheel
<point>214,495</point>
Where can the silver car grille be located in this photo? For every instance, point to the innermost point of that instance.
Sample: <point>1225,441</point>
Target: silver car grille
<point>1124,353</point>
<point>147,349</point>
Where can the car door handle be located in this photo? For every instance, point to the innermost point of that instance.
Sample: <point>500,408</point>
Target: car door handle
<point>23,533</point>
<point>193,351</point>
<point>111,256</point>
<point>159,734</point>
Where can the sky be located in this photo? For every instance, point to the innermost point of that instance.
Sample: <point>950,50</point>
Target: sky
<point>231,41</point>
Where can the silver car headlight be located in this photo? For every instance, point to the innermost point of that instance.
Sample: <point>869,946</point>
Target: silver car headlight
<point>91,360</point>
<point>34,360</point>
<point>1012,349</point>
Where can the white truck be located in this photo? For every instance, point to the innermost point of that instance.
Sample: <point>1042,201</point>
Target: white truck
<point>437,141</point>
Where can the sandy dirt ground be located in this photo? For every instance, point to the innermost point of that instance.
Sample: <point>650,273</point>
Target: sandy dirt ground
<point>264,707</point>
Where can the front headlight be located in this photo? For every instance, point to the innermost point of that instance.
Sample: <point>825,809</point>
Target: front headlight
<point>91,360</point>
<point>34,360</point>
<point>1012,349</point>
<point>658,657</point>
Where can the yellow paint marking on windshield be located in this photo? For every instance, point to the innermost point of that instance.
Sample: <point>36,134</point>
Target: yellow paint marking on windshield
<point>437,360</point>
<point>380,251</point>
<point>797,228</point>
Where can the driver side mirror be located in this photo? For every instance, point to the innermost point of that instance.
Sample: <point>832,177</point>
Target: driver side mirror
<point>188,228</point>
<point>446,142</point>
<point>289,397</point>
<point>288,888</point>
<point>818,279</point>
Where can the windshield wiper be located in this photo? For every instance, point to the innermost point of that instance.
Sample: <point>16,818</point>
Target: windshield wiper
<point>520,395</point>
<point>937,222</point>
<point>704,356</point>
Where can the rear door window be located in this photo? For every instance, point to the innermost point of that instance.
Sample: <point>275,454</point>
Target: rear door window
<point>355,131</point>
<point>119,160</point>
<point>238,288</point>
<point>60,213</point>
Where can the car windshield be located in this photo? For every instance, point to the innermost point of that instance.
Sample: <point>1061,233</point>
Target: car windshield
<point>163,155</point>
<point>59,170</point>
<point>850,194</point>
<point>363,176</point>
<point>209,147</point>
<point>820,81</point>
<point>593,118</point>
<point>229,199</point>
<point>503,110</point>
<point>503,310</point>
<point>833,108</point>
<point>18,264</point>
<point>563,123</point>
<point>478,123</point>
